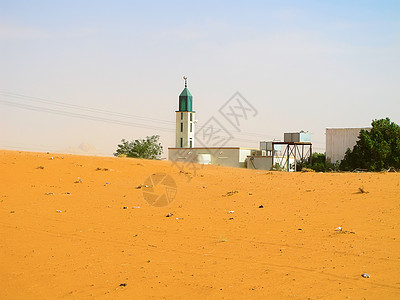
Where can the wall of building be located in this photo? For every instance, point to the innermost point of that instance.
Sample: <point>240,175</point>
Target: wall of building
<point>225,156</point>
<point>228,157</point>
<point>259,162</point>
<point>338,140</point>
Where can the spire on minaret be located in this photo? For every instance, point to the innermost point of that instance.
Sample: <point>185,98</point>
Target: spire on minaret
<point>185,78</point>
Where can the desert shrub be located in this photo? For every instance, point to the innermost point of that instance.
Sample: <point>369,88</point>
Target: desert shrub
<point>318,163</point>
<point>277,167</point>
<point>148,148</point>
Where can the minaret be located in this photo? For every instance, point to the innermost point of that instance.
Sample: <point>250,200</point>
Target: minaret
<point>185,117</point>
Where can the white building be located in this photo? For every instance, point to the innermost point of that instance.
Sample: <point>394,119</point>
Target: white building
<point>185,150</point>
<point>338,140</point>
<point>220,156</point>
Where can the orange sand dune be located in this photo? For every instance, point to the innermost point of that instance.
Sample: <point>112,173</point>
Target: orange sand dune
<point>65,233</point>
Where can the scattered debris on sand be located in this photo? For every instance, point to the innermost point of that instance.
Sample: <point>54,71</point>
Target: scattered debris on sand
<point>185,173</point>
<point>230,193</point>
<point>340,230</point>
<point>103,169</point>
<point>210,245</point>
<point>141,186</point>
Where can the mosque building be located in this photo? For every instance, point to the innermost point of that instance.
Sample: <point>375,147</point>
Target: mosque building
<point>185,150</point>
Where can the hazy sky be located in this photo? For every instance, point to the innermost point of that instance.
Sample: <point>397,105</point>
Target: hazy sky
<point>95,72</point>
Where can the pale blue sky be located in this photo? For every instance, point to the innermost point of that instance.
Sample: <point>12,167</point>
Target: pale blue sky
<point>304,65</point>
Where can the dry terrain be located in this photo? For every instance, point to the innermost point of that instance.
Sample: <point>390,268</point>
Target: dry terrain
<point>77,227</point>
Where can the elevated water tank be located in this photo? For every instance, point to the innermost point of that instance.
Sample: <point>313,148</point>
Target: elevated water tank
<point>297,137</point>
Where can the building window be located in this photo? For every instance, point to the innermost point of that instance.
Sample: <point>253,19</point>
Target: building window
<point>191,117</point>
<point>190,143</point>
<point>181,116</point>
<point>181,142</point>
<point>191,128</point>
<point>181,127</point>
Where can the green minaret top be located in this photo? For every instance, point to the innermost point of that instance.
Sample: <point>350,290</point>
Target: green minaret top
<point>185,98</point>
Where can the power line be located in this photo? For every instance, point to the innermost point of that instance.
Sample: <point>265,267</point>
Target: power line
<point>89,109</point>
<point>101,111</point>
<point>81,116</point>
<point>95,118</point>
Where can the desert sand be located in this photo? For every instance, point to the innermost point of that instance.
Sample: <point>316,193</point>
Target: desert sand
<point>78,226</point>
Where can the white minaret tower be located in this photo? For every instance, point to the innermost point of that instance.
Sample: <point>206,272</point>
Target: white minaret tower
<point>185,117</point>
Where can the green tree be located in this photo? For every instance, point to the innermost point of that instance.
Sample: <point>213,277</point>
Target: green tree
<point>148,148</point>
<point>376,149</point>
<point>318,163</point>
